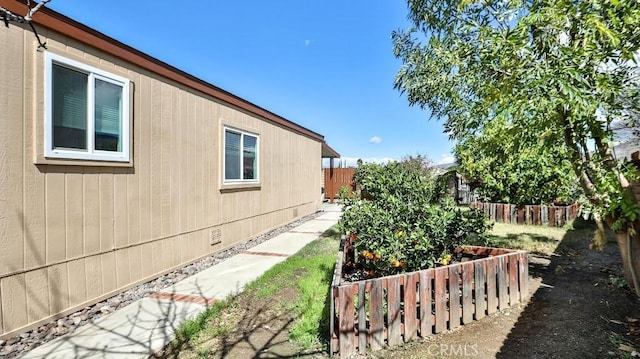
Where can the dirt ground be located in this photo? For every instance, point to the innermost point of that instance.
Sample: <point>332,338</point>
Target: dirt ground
<point>578,308</point>
<point>254,327</point>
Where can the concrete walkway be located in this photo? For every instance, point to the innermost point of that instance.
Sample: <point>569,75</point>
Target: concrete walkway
<point>147,325</point>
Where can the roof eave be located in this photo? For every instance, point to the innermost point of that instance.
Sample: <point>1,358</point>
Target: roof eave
<point>328,152</point>
<point>66,26</point>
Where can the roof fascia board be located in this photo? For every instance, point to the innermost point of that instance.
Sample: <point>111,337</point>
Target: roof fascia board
<point>84,34</point>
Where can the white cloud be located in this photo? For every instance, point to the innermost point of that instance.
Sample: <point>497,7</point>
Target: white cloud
<point>446,158</point>
<point>375,140</point>
<point>307,42</point>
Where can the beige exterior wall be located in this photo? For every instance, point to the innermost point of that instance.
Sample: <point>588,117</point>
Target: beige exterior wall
<point>71,235</point>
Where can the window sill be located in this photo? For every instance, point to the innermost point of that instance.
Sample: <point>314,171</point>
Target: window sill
<point>41,160</point>
<point>239,187</point>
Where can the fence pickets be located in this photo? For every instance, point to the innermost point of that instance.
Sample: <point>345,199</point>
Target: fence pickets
<point>553,216</point>
<point>334,178</point>
<point>391,310</point>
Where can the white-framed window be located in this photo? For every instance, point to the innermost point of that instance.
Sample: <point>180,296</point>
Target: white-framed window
<point>86,112</point>
<point>240,156</point>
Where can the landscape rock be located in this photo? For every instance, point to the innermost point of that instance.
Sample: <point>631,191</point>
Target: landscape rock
<point>32,339</point>
<point>12,341</point>
<point>105,309</point>
<point>8,349</point>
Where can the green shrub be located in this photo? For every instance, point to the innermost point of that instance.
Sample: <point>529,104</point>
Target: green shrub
<point>397,180</point>
<point>403,222</point>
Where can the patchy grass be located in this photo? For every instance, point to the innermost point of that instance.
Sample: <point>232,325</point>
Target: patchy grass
<point>293,296</point>
<point>542,240</point>
<point>193,327</point>
<point>534,239</point>
<point>311,269</point>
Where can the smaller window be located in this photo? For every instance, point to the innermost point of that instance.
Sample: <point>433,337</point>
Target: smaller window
<point>86,112</point>
<point>240,156</point>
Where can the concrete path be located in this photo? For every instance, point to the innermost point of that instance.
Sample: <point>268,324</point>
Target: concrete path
<point>147,325</point>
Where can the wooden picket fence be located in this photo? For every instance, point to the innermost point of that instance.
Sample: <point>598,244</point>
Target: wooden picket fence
<point>552,216</point>
<point>334,178</point>
<point>388,311</point>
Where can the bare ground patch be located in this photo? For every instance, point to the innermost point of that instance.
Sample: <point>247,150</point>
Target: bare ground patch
<point>251,326</point>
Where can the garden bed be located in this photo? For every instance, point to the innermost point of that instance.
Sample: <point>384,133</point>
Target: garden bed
<point>387,311</point>
<point>553,216</point>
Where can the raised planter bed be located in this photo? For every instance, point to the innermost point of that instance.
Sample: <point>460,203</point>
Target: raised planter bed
<point>552,216</point>
<point>387,311</point>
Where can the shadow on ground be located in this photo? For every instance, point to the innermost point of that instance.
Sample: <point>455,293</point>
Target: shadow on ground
<point>253,326</point>
<point>140,329</point>
<point>579,309</point>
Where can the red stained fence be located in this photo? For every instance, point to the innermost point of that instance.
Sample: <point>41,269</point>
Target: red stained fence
<point>391,310</point>
<point>334,178</point>
<point>552,216</point>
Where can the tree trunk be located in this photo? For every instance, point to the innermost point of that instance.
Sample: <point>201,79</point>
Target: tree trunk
<point>630,259</point>
<point>586,172</point>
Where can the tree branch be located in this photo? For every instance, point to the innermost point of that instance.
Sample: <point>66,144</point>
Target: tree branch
<point>32,11</point>
<point>576,158</point>
<point>9,16</point>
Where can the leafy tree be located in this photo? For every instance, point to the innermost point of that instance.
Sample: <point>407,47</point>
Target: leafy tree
<point>562,70</point>
<point>516,167</point>
<point>422,164</point>
<point>418,162</point>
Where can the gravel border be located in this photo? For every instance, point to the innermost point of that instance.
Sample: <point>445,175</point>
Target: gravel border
<point>13,347</point>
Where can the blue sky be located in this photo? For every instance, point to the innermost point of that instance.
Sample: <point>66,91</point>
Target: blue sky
<point>326,65</point>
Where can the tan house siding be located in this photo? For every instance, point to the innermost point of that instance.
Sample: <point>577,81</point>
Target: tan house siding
<point>74,233</point>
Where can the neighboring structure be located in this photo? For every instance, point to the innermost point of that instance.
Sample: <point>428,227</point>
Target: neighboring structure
<point>116,168</point>
<point>461,189</point>
<point>626,150</point>
<point>458,186</point>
